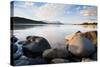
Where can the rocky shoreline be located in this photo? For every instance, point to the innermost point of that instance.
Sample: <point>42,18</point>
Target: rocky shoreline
<point>80,47</point>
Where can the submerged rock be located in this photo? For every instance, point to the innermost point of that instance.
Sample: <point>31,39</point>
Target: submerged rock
<point>80,46</point>
<point>35,46</point>
<point>59,60</point>
<point>55,53</point>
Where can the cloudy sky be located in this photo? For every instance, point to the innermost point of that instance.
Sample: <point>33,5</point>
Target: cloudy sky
<point>65,13</point>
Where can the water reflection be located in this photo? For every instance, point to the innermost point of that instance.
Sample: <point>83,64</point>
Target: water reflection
<point>19,27</point>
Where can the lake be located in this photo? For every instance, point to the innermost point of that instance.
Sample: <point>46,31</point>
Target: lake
<point>55,34</point>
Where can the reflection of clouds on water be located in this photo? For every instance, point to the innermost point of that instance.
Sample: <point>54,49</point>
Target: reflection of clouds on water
<point>55,34</point>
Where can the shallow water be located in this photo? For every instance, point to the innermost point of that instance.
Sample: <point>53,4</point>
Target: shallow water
<point>55,34</point>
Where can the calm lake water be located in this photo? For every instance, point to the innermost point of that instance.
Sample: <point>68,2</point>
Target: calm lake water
<point>55,34</point>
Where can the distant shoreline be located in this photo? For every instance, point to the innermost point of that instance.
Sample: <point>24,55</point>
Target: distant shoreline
<point>87,24</point>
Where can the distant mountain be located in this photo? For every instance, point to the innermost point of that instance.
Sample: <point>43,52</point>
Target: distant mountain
<point>20,20</point>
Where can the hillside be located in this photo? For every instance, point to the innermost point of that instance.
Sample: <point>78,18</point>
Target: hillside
<point>20,20</point>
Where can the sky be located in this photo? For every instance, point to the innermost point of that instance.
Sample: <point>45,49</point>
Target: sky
<point>65,13</point>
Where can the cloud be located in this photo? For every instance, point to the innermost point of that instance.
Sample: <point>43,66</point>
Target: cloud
<point>89,11</point>
<point>50,11</point>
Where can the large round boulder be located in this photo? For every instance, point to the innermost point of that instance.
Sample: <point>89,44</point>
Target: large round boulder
<point>55,53</point>
<point>35,46</point>
<point>80,46</point>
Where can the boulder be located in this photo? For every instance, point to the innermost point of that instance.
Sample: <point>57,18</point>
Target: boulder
<point>80,46</point>
<point>59,60</point>
<point>55,53</point>
<point>35,46</point>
